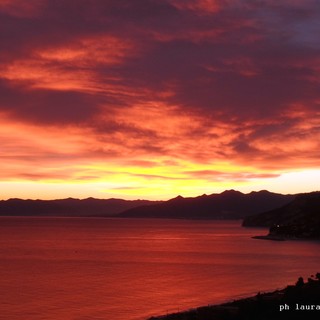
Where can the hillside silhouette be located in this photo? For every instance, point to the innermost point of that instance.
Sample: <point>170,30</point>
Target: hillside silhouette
<point>68,207</point>
<point>299,301</point>
<point>229,204</point>
<point>298,219</point>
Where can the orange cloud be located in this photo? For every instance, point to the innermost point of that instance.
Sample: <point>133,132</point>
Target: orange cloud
<point>91,51</point>
<point>72,67</point>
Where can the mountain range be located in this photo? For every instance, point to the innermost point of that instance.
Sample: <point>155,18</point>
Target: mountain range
<point>229,204</point>
<point>287,216</point>
<point>69,207</point>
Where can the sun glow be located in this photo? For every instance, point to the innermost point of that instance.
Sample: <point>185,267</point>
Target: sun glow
<point>116,100</point>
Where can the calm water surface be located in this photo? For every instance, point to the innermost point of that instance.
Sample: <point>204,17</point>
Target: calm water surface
<point>126,269</point>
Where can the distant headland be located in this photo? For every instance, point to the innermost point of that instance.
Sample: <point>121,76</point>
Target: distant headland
<point>299,219</point>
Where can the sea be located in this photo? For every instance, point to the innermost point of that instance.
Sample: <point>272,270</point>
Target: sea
<point>132,269</point>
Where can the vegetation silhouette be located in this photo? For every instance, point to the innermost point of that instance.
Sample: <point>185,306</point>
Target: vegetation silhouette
<point>299,301</point>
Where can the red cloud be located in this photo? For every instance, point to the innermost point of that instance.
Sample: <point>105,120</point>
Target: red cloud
<point>171,82</point>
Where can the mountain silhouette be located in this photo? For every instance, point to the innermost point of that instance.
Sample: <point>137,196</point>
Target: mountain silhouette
<point>298,219</point>
<point>68,207</point>
<point>229,204</point>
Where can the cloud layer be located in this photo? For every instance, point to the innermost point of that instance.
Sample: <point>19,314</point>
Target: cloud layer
<point>196,90</point>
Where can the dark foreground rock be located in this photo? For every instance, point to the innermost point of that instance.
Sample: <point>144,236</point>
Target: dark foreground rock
<point>301,301</point>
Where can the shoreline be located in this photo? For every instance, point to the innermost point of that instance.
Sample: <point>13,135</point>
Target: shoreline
<point>283,238</point>
<point>270,237</point>
<point>299,301</point>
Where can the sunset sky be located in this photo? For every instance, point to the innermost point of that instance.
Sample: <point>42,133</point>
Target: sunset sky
<point>155,98</point>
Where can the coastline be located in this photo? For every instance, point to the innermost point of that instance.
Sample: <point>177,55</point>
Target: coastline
<point>273,237</point>
<point>269,237</point>
<point>299,301</point>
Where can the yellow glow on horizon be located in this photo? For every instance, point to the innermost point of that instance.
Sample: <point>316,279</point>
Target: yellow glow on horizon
<point>52,163</point>
<point>159,181</point>
<point>156,189</point>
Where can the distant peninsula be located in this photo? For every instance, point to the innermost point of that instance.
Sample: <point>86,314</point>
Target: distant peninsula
<point>299,219</point>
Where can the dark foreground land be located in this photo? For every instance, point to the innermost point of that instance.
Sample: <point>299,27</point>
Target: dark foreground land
<point>301,301</point>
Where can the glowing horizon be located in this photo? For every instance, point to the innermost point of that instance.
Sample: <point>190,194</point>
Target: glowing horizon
<point>156,99</point>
